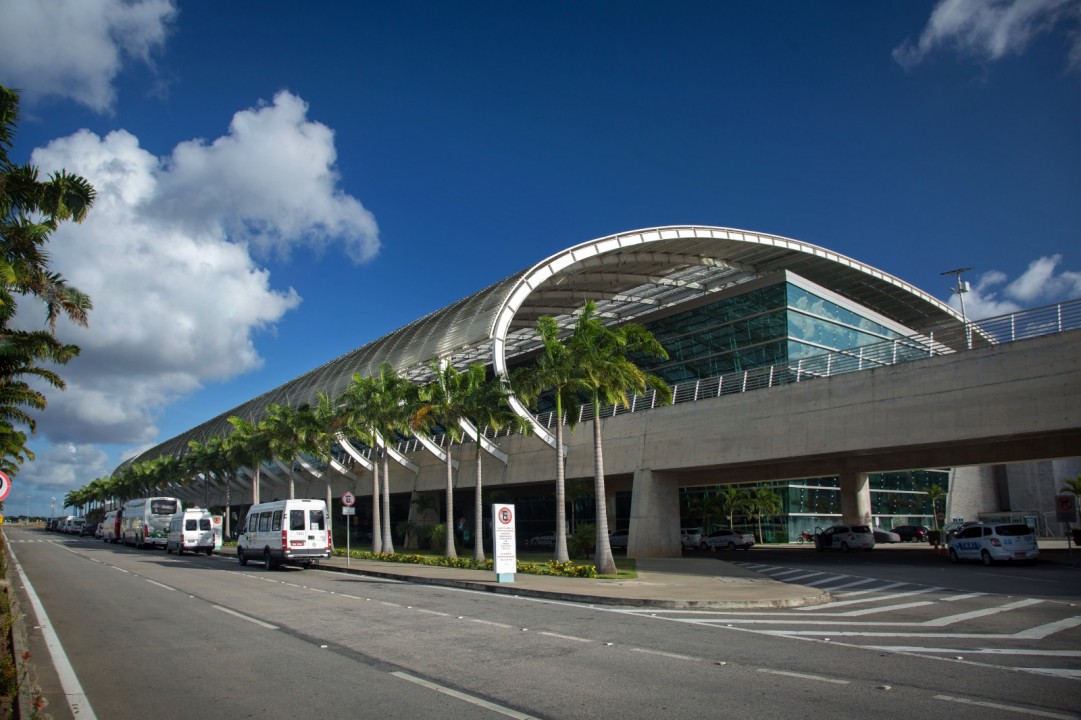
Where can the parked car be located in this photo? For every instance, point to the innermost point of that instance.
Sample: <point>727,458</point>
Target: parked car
<point>886,536</point>
<point>994,542</point>
<point>952,528</point>
<point>845,538</point>
<point>912,533</point>
<point>74,526</point>
<point>89,529</point>
<point>619,539</point>
<point>691,538</point>
<point>729,539</point>
<point>544,539</point>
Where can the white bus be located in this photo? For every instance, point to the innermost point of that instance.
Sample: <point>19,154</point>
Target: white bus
<point>146,520</point>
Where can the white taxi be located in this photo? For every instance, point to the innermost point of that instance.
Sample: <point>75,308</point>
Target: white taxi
<point>995,542</point>
<point>845,538</point>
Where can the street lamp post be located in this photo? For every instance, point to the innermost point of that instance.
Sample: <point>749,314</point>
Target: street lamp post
<point>960,290</point>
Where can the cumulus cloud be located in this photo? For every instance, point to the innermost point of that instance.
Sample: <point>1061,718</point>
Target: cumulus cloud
<point>166,254</point>
<point>989,30</point>
<point>87,42</point>
<point>1042,283</point>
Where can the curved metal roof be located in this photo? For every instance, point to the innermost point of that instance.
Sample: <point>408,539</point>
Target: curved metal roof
<point>629,275</point>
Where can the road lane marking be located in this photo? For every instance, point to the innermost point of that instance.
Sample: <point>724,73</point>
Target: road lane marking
<point>980,651</point>
<point>1010,708</point>
<point>969,596</point>
<point>564,637</point>
<point>803,676</point>
<point>242,616</point>
<point>1041,631</point>
<point>472,699</point>
<point>161,585</point>
<point>675,656</point>
<point>881,588</point>
<point>69,681</point>
<point>951,619</point>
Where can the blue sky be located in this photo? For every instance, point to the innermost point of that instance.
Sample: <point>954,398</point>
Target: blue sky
<point>280,183</point>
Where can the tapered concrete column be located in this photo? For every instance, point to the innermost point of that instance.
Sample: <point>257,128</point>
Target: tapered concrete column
<point>654,516</point>
<point>855,498</point>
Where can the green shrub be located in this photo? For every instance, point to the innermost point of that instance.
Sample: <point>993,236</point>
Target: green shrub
<point>583,542</point>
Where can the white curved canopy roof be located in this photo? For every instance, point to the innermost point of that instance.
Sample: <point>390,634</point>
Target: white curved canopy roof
<point>629,275</point>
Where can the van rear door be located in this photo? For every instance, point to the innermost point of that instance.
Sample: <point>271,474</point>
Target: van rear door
<point>307,529</point>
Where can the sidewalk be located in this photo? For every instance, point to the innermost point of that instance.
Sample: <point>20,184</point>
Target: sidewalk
<point>673,583</point>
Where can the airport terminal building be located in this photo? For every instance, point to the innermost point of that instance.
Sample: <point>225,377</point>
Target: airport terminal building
<point>767,338</point>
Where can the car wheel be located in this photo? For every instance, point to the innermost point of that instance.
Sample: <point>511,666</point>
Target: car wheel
<point>241,557</point>
<point>179,549</point>
<point>209,551</point>
<point>731,547</point>
<point>986,558</point>
<point>953,556</point>
<point>702,546</point>
<point>844,547</point>
<point>268,562</point>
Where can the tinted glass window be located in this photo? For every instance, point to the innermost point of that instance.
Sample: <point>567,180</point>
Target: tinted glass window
<point>276,523</point>
<point>296,520</point>
<point>861,529</point>
<point>1013,530</point>
<point>163,507</point>
<point>970,532</point>
<point>191,524</point>
<point>204,523</point>
<point>264,522</point>
<point>317,521</point>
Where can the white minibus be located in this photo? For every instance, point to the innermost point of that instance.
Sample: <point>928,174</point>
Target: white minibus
<point>294,532</point>
<point>192,530</point>
<point>146,520</point>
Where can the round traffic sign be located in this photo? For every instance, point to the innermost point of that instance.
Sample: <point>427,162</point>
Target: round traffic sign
<point>5,486</point>
<point>348,499</point>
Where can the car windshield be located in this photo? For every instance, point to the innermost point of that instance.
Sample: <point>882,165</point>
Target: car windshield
<point>1013,530</point>
<point>861,529</point>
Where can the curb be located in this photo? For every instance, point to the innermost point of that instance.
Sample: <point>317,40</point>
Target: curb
<point>817,598</point>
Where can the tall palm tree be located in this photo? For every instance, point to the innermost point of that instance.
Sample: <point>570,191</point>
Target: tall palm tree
<point>706,507</point>
<point>556,372</point>
<point>936,493</point>
<point>604,355</point>
<point>248,440</point>
<point>444,402</point>
<point>485,407</point>
<point>289,433</point>
<point>358,420</point>
<point>732,501</point>
<point>761,503</point>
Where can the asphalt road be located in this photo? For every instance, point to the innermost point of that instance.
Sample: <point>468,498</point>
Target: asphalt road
<point>182,637</point>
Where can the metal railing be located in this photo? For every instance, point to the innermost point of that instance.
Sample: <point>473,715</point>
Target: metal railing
<point>944,339</point>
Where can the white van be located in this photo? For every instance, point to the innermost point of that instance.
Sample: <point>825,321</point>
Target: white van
<point>110,527</point>
<point>295,532</point>
<point>191,530</point>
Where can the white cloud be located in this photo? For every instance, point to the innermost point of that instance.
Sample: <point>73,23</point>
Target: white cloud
<point>165,255</point>
<point>85,42</point>
<point>992,29</point>
<point>1041,284</point>
<point>63,467</point>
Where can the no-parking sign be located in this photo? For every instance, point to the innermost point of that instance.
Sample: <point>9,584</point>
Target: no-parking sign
<point>1065,507</point>
<point>5,486</point>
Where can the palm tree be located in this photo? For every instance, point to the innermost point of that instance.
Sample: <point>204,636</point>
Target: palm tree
<point>706,507</point>
<point>1073,485</point>
<point>358,418</point>
<point>485,407</point>
<point>557,372</point>
<point>287,433</point>
<point>732,501</point>
<point>761,503</point>
<point>249,441</point>
<point>936,493</point>
<point>444,402</point>
<point>607,370</point>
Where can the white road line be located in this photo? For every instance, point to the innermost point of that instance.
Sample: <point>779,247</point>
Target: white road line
<point>463,696</point>
<point>828,580</point>
<point>886,608</point>
<point>803,676</point>
<point>674,656</point>
<point>73,690</point>
<point>1010,708</point>
<point>821,609</point>
<point>488,622</point>
<point>951,619</point>
<point>564,637</point>
<point>880,588</point>
<point>1041,631</point>
<point>980,651</point>
<point>800,577</point>
<point>969,596</point>
<point>854,583</point>
<point>432,612</point>
<point>114,567</point>
<point>161,585</point>
<point>1059,672</point>
<point>242,616</point>
<point>771,572</point>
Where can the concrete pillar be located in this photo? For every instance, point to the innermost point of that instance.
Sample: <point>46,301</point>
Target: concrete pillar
<point>654,516</point>
<point>855,498</point>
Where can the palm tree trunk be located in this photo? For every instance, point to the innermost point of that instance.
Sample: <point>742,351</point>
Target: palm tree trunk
<point>388,539</point>
<point>377,532</point>
<point>228,504</point>
<point>561,489</point>
<point>478,509</point>
<point>606,564</point>
<point>449,545</point>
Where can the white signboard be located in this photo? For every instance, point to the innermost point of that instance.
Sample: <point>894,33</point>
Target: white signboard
<point>349,510</point>
<point>504,547</point>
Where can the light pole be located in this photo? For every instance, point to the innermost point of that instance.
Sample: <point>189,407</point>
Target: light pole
<point>960,290</point>
<point>52,507</point>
